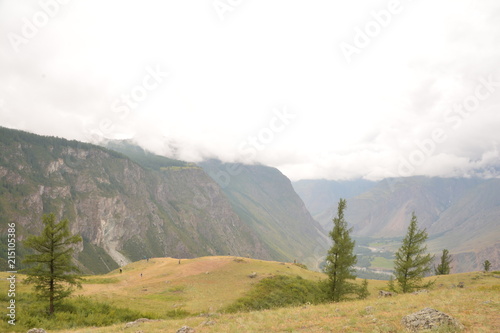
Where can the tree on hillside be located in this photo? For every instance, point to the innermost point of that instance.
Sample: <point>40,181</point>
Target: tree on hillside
<point>412,262</point>
<point>52,273</point>
<point>487,265</point>
<point>340,258</point>
<point>444,266</point>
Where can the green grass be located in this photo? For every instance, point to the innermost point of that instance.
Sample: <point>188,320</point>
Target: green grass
<point>281,291</point>
<point>70,313</point>
<point>381,262</point>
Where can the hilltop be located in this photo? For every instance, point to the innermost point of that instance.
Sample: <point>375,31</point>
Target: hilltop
<point>197,285</point>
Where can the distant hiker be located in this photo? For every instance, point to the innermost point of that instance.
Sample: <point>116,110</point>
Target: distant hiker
<point>147,260</point>
<point>141,274</point>
<point>120,270</point>
<point>179,261</point>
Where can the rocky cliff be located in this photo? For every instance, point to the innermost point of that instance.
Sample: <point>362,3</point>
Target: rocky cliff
<point>123,210</point>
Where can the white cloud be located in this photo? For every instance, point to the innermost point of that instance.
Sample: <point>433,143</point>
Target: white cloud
<point>225,78</point>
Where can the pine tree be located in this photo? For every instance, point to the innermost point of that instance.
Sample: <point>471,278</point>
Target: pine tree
<point>340,258</point>
<point>53,273</point>
<point>444,266</point>
<point>412,262</point>
<point>363,290</point>
<point>486,265</point>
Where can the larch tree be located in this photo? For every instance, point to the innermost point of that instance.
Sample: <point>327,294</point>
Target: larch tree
<point>52,271</point>
<point>443,268</point>
<point>486,265</point>
<point>340,259</point>
<point>412,261</point>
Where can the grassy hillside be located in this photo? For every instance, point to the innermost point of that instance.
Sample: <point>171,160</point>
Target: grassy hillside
<point>204,286</point>
<point>476,306</point>
<point>195,285</point>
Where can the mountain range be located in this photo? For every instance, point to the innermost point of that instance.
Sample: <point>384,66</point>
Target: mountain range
<point>128,204</point>
<point>459,214</point>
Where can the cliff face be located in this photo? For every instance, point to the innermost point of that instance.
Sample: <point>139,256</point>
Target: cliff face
<point>265,200</point>
<point>123,210</point>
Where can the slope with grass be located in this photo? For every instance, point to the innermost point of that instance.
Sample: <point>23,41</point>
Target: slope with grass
<point>476,306</point>
<point>197,291</point>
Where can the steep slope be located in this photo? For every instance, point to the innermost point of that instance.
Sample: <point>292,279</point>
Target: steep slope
<point>123,211</point>
<point>265,200</point>
<point>459,214</point>
<point>319,195</point>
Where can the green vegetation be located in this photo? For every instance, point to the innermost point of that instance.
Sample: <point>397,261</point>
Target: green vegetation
<point>147,159</point>
<point>281,291</point>
<point>201,290</point>
<point>486,265</point>
<point>382,262</point>
<point>95,257</point>
<point>444,266</point>
<point>71,313</point>
<point>340,258</point>
<point>412,262</point>
<point>53,273</point>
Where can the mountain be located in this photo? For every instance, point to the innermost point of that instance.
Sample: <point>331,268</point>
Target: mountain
<point>124,211</point>
<point>266,201</point>
<point>460,214</point>
<point>319,195</point>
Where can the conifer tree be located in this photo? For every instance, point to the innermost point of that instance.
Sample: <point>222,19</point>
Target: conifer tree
<point>486,265</point>
<point>412,262</point>
<point>340,258</point>
<point>53,273</point>
<point>444,266</point>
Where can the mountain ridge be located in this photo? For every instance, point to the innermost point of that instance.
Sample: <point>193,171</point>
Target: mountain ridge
<point>460,214</point>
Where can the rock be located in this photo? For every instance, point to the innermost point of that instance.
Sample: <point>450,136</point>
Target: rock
<point>461,285</point>
<point>428,319</point>
<point>186,329</point>
<point>383,293</point>
<point>208,323</point>
<point>369,309</point>
<point>253,275</point>
<point>421,291</point>
<point>136,322</point>
<point>496,276</point>
<point>37,330</point>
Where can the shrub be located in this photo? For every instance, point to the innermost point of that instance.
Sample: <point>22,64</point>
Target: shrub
<point>281,291</point>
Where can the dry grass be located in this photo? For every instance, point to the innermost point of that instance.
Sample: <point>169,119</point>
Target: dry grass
<point>166,285</point>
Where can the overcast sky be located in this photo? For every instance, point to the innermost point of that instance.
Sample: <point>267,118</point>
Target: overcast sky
<point>319,89</point>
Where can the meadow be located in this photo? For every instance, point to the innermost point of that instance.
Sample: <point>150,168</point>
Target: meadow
<point>198,291</point>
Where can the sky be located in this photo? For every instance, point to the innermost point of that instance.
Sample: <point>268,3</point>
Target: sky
<point>319,89</point>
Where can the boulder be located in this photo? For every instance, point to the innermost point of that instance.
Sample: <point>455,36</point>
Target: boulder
<point>421,291</point>
<point>461,285</point>
<point>428,319</point>
<point>136,322</point>
<point>253,275</point>
<point>186,329</point>
<point>37,330</point>
<point>383,293</point>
